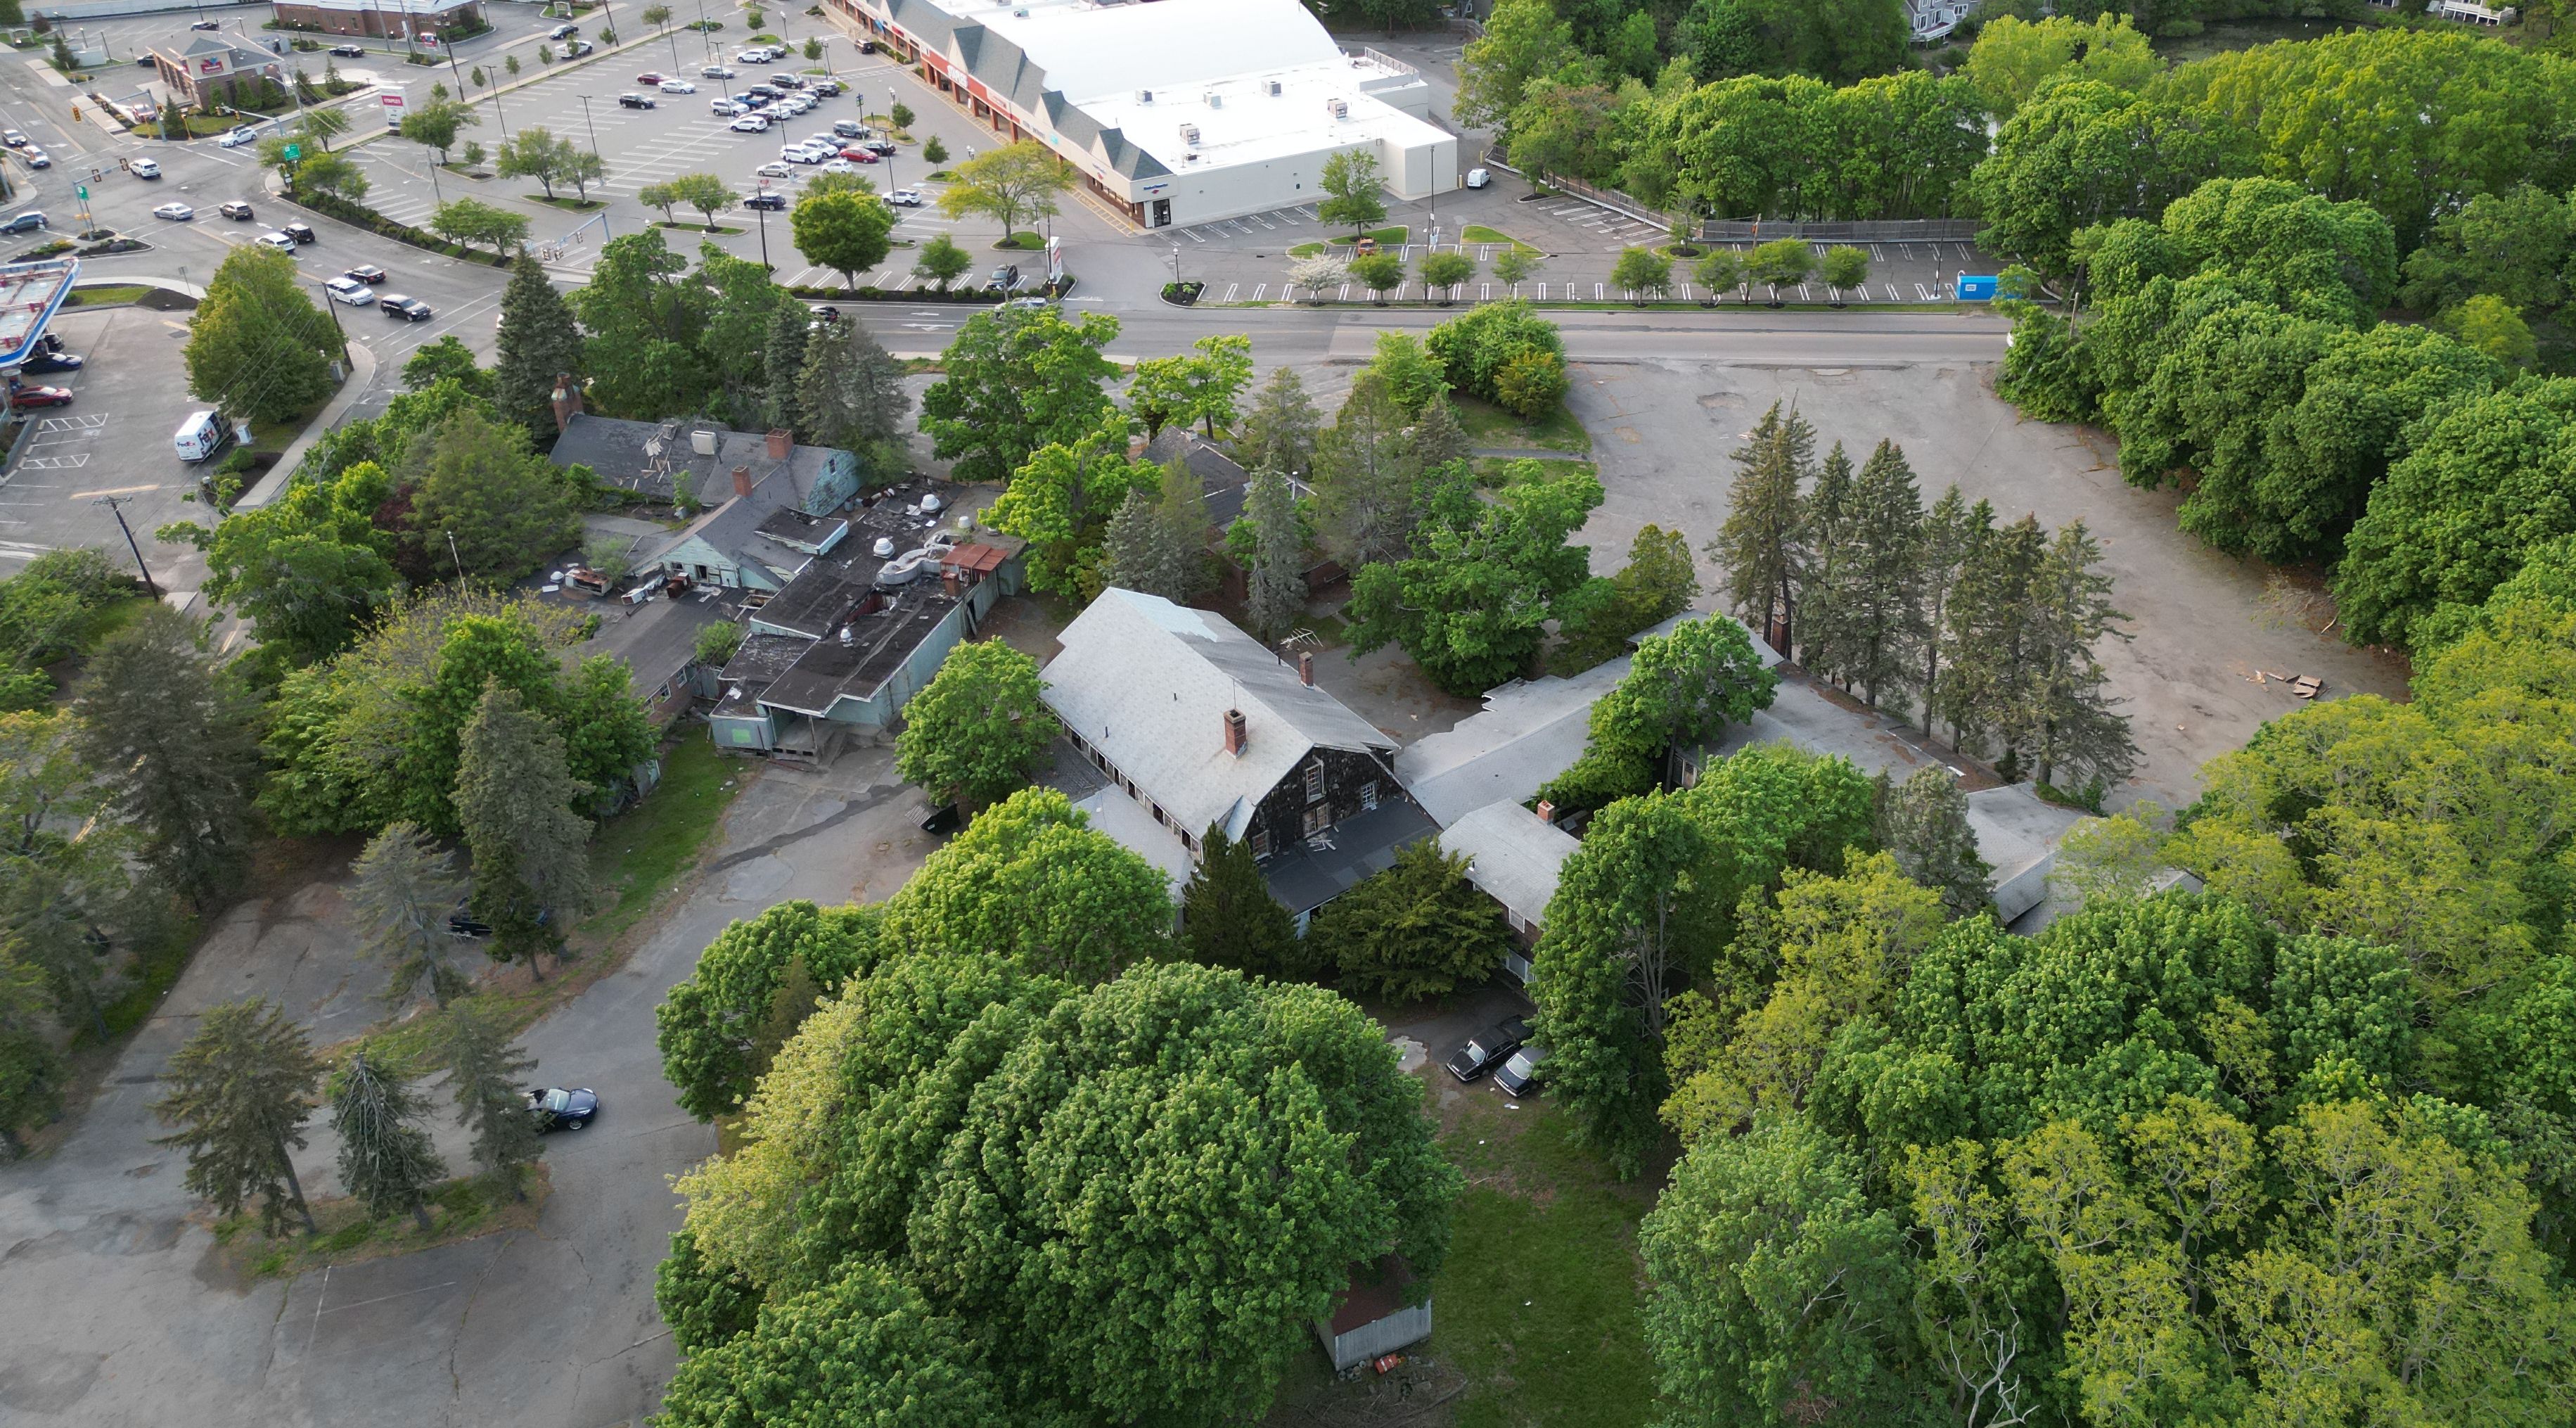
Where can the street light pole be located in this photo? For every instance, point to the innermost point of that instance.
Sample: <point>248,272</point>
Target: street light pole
<point>463,88</point>
<point>332,305</point>
<point>460,560</point>
<point>764,231</point>
<point>116,507</point>
<point>594,128</point>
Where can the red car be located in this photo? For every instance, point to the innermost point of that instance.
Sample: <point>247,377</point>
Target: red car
<point>22,395</point>
<point>653,77</point>
<point>859,156</point>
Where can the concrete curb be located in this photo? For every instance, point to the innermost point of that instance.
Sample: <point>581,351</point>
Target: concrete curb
<point>362,376</point>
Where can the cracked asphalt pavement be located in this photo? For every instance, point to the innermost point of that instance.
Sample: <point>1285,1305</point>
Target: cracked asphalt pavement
<point>117,1310</point>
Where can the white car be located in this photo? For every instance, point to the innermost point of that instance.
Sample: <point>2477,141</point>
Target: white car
<point>279,241</point>
<point>1478,178</point>
<point>839,166</point>
<point>678,86</point>
<point>752,56</point>
<point>175,212</point>
<point>749,124</point>
<point>906,198</point>
<point>718,71</point>
<point>238,137</point>
<point>775,168</point>
<point>727,108</point>
<point>796,104</point>
<point>143,169</point>
<point>350,291</point>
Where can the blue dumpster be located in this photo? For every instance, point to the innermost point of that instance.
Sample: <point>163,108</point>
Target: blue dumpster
<point>1976,289</point>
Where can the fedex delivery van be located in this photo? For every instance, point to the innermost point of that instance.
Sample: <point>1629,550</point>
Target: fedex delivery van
<point>200,436</point>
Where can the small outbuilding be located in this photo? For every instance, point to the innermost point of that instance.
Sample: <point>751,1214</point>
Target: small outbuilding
<point>1376,1315</point>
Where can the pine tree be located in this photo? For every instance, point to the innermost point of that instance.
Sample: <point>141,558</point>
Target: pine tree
<point>1761,545</point>
<point>1822,616</point>
<point>405,891</point>
<point>1228,916</point>
<point>485,1073</point>
<point>790,1002</point>
<point>538,343</point>
<point>1134,554</point>
<point>172,736</point>
<point>783,353</point>
<point>1437,439</point>
<point>1989,639</point>
<point>1880,581</point>
<point>852,395</point>
<point>1951,530</point>
<point>1924,822</point>
<point>1280,430</point>
<point>1366,504</point>
<point>2068,720</point>
<point>240,1092</point>
<point>1181,521</point>
<point>386,1160</point>
<point>1275,587</point>
<point>531,851</point>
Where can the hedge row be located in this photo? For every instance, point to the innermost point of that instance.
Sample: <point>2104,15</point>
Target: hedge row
<point>331,205</point>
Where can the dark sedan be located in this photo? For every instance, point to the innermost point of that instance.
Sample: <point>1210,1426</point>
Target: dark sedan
<point>410,308</point>
<point>51,362</point>
<point>557,1109</point>
<point>368,273</point>
<point>1486,1050</point>
<point>1519,1076</point>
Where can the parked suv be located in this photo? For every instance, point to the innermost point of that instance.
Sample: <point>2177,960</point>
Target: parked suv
<point>1487,1049</point>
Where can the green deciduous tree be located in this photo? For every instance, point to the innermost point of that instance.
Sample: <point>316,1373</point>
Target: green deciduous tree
<point>308,569</point>
<point>1656,584</point>
<point>258,347</point>
<point>2490,325</point>
<point>1355,197</point>
<point>1682,689</point>
<point>2015,59</point>
<point>1417,929</point>
<point>531,852</point>
<point>404,891</point>
<point>1642,272</point>
<point>1017,381</point>
<point>707,1023</point>
<point>1230,919</point>
<point>845,232</point>
<point>507,509</point>
<point>1470,603</point>
<point>941,260</point>
<point>170,735</point>
<point>1522,41</point>
<point>534,152</point>
<point>1029,878</point>
<point>979,729</point>
<point>240,1092</point>
<point>1010,183</point>
<point>31,1066</point>
<point>1446,270</point>
<point>864,1348</point>
<point>1061,499</point>
<point>470,221</point>
<point>386,1161</point>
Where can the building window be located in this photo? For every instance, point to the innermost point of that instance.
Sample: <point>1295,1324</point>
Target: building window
<point>1368,794</point>
<point>1318,818</point>
<point>1315,782</point>
<point>1159,818</point>
<point>1260,842</point>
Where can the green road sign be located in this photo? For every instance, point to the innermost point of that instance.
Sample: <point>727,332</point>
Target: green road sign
<point>294,152</point>
<point>81,192</point>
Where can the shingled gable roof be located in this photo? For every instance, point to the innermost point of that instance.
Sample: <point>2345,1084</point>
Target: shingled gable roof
<point>1148,683</point>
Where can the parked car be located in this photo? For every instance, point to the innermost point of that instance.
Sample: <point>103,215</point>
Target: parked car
<point>207,25</point>
<point>632,100</point>
<point>839,166</point>
<point>749,124</point>
<point>235,210</point>
<point>787,81</point>
<point>578,48</point>
<point>775,168</point>
<point>22,395</point>
<point>727,108</point>
<point>350,51</point>
<point>143,168</point>
<point>799,154</point>
<point>556,1109</point>
<point>409,308</point>
<point>563,31</point>
<point>1478,178</point>
<point>775,202</point>
<point>175,212</point>
<point>1006,276</point>
<point>758,92</point>
<point>1518,1076</point>
<point>244,134</point>
<point>13,138</point>
<point>943,819</point>
<point>905,198</point>
<point>349,291</point>
<point>650,78</point>
<point>38,159</point>
<point>718,71</point>
<point>678,86</point>
<point>51,362</point>
<point>301,232</point>
<point>1028,304</point>
<point>367,273</point>
<point>1487,1049</point>
<point>849,129</point>
<point>824,86</point>
<point>796,104</point>
<point>751,56</point>
<point>27,222</point>
<point>277,240</point>
<point>858,155</point>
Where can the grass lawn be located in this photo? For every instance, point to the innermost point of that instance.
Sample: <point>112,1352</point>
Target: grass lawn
<point>1500,471</point>
<point>1489,425</point>
<point>1025,240</point>
<point>641,853</point>
<point>577,205</point>
<point>701,228</point>
<point>464,1208</point>
<point>104,297</point>
<point>1479,233</point>
<point>1539,1302</point>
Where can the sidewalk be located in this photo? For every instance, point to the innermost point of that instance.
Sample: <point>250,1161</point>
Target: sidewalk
<point>362,376</point>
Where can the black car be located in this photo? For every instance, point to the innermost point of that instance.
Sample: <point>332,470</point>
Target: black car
<point>1007,276</point>
<point>350,51</point>
<point>300,232</point>
<point>1518,1076</point>
<point>825,87</point>
<point>410,308</point>
<point>368,273</point>
<point>554,1108</point>
<point>51,362</point>
<point>766,200</point>
<point>1486,1050</point>
<point>634,101</point>
<point>561,32</point>
<point>943,819</point>
<point>235,209</point>
<point>759,92</point>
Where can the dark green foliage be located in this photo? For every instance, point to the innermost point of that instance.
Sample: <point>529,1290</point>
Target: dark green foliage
<point>1230,919</point>
<point>386,1161</point>
<point>1418,929</point>
<point>171,735</point>
<point>1474,348</point>
<point>1681,691</point>
<point>708,1025</point>
<point>1837,41</point>
<point>1014,382</point>
<point>239,1092</point>
<point>538,344</point>
<point>865,1348</point>
<point>31,1067</point>
<point>1656,584</point>
<point>486,1074</point>
<point>1030,879</point>
<point>1470,604</point>
<point>1924,822</point>
<point>703,1304</point>
<point>531,851</point>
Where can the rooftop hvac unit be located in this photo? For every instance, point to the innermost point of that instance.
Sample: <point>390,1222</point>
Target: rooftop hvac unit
<point>1275,87</point>
<point>1341,108</point>
<point>1190,135</point>
<point>703,442</point>
<point>1215,100</point>
<point>1144,96</point>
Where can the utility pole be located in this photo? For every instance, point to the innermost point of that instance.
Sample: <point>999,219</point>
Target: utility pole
<point>116,507</point>
<point>460,560</point>
<point>593,128</point>
<point>764,231</point>
<point>332,306</point>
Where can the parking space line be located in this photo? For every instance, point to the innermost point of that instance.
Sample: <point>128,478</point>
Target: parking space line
<point>1229,292</point>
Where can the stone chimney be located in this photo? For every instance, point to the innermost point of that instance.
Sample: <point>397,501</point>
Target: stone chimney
<point>742,480</point>
<point>1235,734</point>
<point>1306,668</point>
<point>567,400</point>
<point>1546,811</point>
<point>781,442</point>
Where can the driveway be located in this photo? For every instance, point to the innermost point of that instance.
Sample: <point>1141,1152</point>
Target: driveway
<point>119,1311</point>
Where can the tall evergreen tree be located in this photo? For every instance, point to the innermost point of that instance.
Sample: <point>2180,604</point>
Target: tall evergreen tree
<point>1950,531</point>
<point>1275,586</point>
<point>172,736</point>
<point>1823,616</point>
<point>538,342</point>
<point>1436,439</point>
<point>2067,720</point>
<point>1762,543</point>
<point>1135,554</point>
<point>406,889</point>
<point>240,1092</point>
<point>531,851</point>
<point>1879,580</point>
<point>1415,929</point>
<point>31,1066</point>
<point>386,1160</point>
<point>1924,822</point>
<point>851,394</point>
<point>1280,430</point>
<point>1366,502</point>
<point>782,354</point>
<point>1990,639</point>
<point>486,1073</point>
<point>1229,918</point>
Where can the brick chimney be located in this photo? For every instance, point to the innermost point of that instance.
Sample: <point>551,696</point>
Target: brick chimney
<point>1306,668</point>
<point>1235,735</point>
<point>1546,811</point>
<point>742,480</point>
<point>567,400</point>
<point>781,442</point>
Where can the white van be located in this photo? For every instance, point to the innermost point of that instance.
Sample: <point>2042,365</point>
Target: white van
<point>200,436</point>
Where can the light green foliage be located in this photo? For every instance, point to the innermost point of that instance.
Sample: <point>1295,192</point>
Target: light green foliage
<point>1202,386</point>
<point>705,1024</point>
<point>711,195</point>
<point>1378,272</point>
<point>1015,382</point>
<point>1061,499</point>
<point>1011,183</point>
<point>1471,602</point>
<point>434,124</point>
<point>2015,59</point>
<point>1476,347</point>
<point>1642,271</point>
<point>1720,270</point>
<point>646,328</point>
<point>1446,270</point>
<point>169,734</point>
<point>470,221</point>
<point>942,261</point>
<point>1781,263</point>
<point>864,1348</point>
<point>979,729</point>
<point>845,232</point>
<point>1522,41</point>
<point>444,360</point>
<point>534,152</point>
<point>1682,689</point>
<point>257,347</point>
<point>2491,325</point>
<point>704,1304</point>
<point>386,1161</point>
<point>1355,199</point>
<point>2511,245</point>
<point>1416,930</point>
<point>239,1093</point>
<point>2111,859</point>
<point>531,852</point>
<point>2085,152</point>
<point>1031,880</point>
